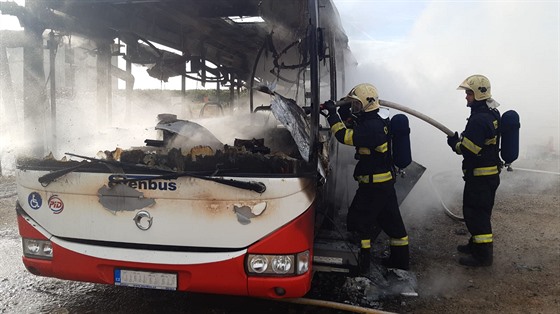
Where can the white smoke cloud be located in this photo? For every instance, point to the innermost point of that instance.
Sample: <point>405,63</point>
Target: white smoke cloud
<point>515,44</point>
<point>418,54</point>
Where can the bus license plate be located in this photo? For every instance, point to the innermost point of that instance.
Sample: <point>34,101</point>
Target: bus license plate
<point>144,279</point>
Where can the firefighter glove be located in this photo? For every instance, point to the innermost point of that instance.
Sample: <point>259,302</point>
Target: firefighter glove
<point>344,112</point>
<point>453,140</point>
<point>330,106</point>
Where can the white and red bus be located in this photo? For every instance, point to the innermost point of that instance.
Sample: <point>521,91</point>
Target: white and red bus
<point>191,210</point>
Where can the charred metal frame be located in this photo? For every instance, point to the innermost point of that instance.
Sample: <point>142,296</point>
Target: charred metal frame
<point>176,24</point>
<point>314,65</point>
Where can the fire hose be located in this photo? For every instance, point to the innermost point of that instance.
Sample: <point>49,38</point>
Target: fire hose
<point>460,217</point>
<point>436,124</point>
<point>417,114</point>
<point>405,109</point>
<point>429,120</point>
<point>334,305</point>
<point>448,211</point>
<point>385,103</point>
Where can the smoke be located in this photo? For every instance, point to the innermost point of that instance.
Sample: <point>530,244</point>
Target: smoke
<point>417,60</point>
<point>516,45</point>
<point>418,55</point>
<point>80,131</point>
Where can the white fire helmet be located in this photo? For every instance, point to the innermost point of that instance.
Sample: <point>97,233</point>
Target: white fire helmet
<point>479,84</point>
<point>365,96</point>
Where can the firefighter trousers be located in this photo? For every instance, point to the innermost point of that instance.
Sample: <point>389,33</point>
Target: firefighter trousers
<point>375,206</point>
<point>478,200</point>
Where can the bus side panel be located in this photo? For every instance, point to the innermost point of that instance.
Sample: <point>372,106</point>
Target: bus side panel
<point>26,230</point>
<point>295,237</point>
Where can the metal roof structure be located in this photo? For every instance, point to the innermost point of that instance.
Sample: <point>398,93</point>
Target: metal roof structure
<point>295,45</point>
<point>198,30</point>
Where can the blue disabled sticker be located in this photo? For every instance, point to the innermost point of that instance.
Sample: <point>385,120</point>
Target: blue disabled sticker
<point>35,201</point>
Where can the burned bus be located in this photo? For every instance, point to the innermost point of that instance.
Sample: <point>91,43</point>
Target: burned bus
<point>247,211</point>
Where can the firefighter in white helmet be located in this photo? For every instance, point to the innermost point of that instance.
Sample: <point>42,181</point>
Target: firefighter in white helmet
<point>478,144</point>
<point>375,202</point>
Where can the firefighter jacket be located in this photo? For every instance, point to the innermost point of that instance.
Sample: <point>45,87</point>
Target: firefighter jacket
<point>479,143</point>
<point>371,137</point>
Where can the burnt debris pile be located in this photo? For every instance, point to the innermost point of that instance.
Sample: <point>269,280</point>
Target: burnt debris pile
<point>204,159</point>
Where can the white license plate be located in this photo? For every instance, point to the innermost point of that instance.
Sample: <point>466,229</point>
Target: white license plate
<point>145,279</point>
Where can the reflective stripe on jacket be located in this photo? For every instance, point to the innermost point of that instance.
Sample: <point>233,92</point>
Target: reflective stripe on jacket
<point>372,139</point>
<point>479,144</point>
<point>483,171</point>
<point>374,178</point>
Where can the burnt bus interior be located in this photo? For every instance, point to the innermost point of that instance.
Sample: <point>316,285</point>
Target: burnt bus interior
<point>235,45</point>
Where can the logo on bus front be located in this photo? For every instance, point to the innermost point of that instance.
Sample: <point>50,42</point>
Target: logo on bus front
<point>145,182</point>
<point>56,204</point>
<point>34,200</point>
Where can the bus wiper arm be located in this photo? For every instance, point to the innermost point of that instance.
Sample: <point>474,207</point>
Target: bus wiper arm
<point>53,175</point>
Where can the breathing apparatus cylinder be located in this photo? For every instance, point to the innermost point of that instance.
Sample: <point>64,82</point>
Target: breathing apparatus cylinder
<point>509,130</point>
<point>400,130</point>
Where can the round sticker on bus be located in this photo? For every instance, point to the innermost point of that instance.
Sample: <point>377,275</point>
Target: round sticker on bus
<point>34,200</point>
<point>56,204</point>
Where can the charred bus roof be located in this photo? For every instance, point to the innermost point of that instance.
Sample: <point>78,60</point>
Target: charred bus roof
<point>227,33</point>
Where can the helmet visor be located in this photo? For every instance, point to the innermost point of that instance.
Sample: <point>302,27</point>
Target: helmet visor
<point>464,86</point>
<point>356,106</point>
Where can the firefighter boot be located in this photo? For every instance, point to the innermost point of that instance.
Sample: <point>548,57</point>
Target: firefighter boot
<point>482,255</point>
<point>465,248</point>
<point>364,260</point>
<point>364,257</point>
<point>399,258</point>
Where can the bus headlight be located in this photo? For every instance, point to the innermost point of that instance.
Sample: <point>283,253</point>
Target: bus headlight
<point>37,248</point>
<point>258,264</point>
<point>278,265</point>
<point>282,264</point>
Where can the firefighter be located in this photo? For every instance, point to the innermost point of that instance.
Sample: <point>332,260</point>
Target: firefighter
<point>478,144</point>
<point>375,202</point>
